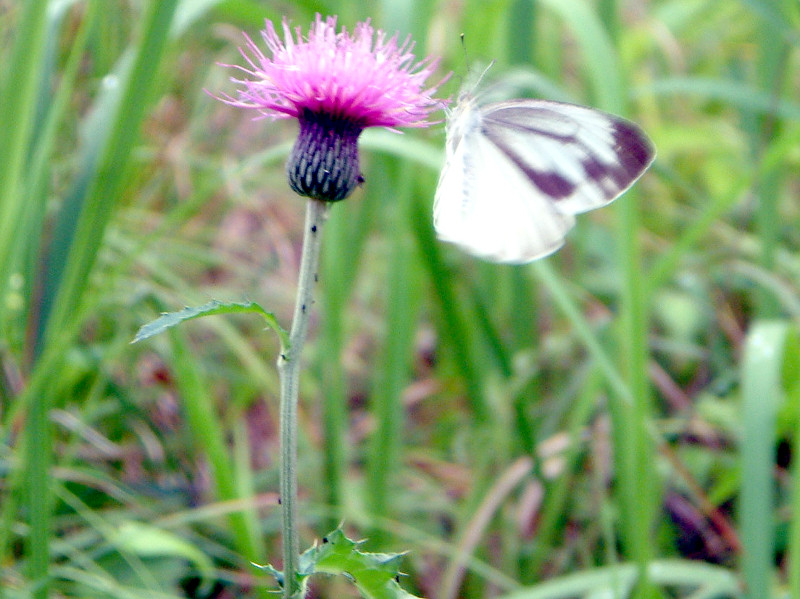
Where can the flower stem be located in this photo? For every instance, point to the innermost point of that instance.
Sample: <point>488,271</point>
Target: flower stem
<point>289,371</point>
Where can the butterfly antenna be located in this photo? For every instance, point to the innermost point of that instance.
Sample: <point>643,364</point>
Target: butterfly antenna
<point>468,62</point>
<point>464,49</point>
<point>486,70</point>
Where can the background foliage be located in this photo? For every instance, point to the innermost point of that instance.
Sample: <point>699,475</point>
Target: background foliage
<point>617,420</point>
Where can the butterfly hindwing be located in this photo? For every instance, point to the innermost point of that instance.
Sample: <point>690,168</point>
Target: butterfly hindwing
<point>485,204</point>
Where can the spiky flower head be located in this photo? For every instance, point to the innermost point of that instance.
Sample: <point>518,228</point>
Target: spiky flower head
<point>335,84</point>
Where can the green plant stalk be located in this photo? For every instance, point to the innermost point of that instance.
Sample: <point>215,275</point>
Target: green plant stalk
<point>32,478</point>
<point>393,372</point>
<point>639,488</point>
<point>772,75</point>
<point>39,491</point>
<point>289,371</point>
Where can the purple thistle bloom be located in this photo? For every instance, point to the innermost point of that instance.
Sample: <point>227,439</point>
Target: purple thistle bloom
<point>335,85</point>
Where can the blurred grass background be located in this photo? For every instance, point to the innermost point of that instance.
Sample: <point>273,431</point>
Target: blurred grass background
<point>618,420</point>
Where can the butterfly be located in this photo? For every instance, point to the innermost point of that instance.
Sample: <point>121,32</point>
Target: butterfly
<point>517,172</point>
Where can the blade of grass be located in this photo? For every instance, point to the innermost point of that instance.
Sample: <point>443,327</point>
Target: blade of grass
<point>208,431</point>
<point>634,450</point>
<point>608,12</point>
<point>775,18</point>
<point>630,422</point>
<point>544,271</point>
<point>39,493</point>
<point>107,530</point>
<point>461,336</point>
<point>668,262</point>
<point>26,69</point>
<point>597,50</point>
<point>791,378</point>
<point>29,234</point>
<point>38,427</point>
<point>341,261</point>
<point>617,581</point>
<point>30,481</point>
<point>521,26</point>
<point>392,374</point>
<point>17,111</point>
<point>474,530</point>
<point>761,392</point>
<point>736,94</point>
<point>524,326</point>
<point>501,353</point>
<point>105,187</point>
<point>558,493</point>
<point>333,298</point>
<point>772,71</point>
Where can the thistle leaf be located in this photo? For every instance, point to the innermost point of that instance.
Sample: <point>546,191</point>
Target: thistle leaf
<point>170,319</point>
<point>375,575</point>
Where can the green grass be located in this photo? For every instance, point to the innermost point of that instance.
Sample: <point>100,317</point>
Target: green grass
<point>586,424</point>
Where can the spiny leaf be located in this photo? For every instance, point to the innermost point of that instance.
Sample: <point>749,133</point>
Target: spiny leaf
<point>376,575</point>
<point>170,319</point>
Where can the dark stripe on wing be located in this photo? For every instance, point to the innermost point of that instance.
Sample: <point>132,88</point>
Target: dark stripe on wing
<point>549,182</point>
<point>632,149</point>
<point>634,152</point>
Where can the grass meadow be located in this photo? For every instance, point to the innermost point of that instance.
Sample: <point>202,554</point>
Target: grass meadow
<point>618,420</point>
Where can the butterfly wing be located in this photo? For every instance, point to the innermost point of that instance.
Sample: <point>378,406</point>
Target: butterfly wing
<point>517,172</point>
<point>486,205</point>
<point>579,157</point>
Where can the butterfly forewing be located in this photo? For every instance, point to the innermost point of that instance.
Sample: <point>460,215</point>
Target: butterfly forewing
<point>583,159</point>
<point>517,172</point>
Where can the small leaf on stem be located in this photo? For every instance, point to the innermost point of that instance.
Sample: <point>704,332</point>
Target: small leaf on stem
<point>170,319</point>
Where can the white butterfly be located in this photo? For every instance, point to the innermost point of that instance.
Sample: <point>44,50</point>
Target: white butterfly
<point>517,172</point>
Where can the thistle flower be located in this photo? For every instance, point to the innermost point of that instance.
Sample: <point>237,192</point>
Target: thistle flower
<point>335,85</point>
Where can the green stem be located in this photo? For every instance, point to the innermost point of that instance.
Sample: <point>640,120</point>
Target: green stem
<point>289,371</point>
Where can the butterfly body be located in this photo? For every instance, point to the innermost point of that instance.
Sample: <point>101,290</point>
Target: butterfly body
<point>517,172</point>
